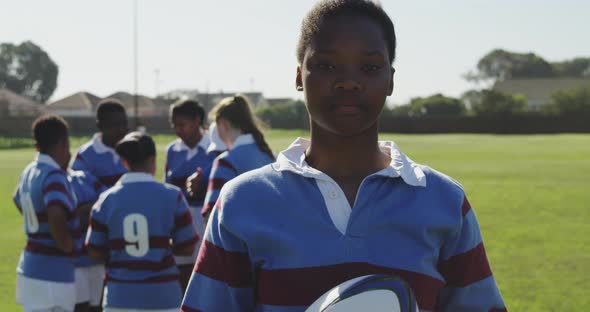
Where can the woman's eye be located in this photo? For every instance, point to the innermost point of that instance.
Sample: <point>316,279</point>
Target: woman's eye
<point>325,66</point>
<point>371,67</point>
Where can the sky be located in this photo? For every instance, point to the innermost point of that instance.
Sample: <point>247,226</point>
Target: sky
<point>249,45</point>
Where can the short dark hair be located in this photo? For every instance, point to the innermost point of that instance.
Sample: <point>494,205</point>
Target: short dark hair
<point>108,106</point>
<point>326,9</point>
<point>187,108</point>
<point>48,130</point>
<point>136,147</point>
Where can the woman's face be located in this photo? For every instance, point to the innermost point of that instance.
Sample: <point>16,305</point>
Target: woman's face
<point>346,75</point>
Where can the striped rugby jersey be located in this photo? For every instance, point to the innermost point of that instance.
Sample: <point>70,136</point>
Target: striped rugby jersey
<point>42,184</point>
<point>99,160</point>
<point>140,221</point>
<point>182,161</point>
<point>243,157</point>
<point>87,188</point>
<point>282,235</point>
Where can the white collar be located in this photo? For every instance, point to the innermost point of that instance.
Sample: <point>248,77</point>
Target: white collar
<point>293,159</point>
<point>243,139</point>
<point>46,159</point>
<point>133,177</point>
<point>180,146</point>
<point>216,142</point>
<point>101,148</point>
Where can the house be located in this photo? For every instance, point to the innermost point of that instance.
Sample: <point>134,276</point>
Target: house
<point>279,101</point>
<point>538,91</point>
<point>145,105</point>
<point>208,100</point>
<point>12,104</point>
<point>78,104</point>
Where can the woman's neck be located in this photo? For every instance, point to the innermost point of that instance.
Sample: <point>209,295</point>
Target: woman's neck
<point>345,156</point>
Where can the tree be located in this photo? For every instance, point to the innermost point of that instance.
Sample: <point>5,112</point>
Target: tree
<point>501,65</point>
<point>578,67</point>
<point>27,70</point>
<point>492,102</point>
<point>436,105</point>
<point>290,115</point>
<point>569,102</point>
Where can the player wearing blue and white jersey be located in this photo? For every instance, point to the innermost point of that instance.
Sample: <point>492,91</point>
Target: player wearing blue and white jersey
<point>136,226</point>
<point>343,204</point>
<point>98,156</point>
<point>45,272</point>
<point>185,156</point>
<point>247,149</point>
<point>89,274</point>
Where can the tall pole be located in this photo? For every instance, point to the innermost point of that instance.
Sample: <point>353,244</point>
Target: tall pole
<point>135,65</point>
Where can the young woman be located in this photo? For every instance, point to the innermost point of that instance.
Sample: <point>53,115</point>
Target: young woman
<point>342,205</point>
<point>45,279</point>
<point>135,227</point>
<point>247,150</point>
<point>185,156</point>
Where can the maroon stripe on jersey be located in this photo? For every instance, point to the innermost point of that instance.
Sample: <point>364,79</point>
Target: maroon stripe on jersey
<point>182,245</point>
<point>466,268</point>
<point>110,180</point>
<point>230,267</point>
<point>224,163</point>
<point>180,182</point>
<point>103,249</point>
<point>302,286</point>
<point>97,185</point>
<point>498,310</point>
<point>39,248</point>
<point>465,207</point>
<point>188,309</point>
<point>76,234</point>
<point>216,184</point>
<point>156,279</point>
<point>179,199</point>
<point>141,265</point>
<point>155,242</point>
<point>97,226</point>
<point>79,156</point>
<point>183,220</point>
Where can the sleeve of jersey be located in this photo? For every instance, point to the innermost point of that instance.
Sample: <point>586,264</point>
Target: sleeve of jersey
<point>97,235</point>
<point>221,172</point>
<point>184,233</point>
<point>223,276</point>
<point>56,192</point>
<point>16,198</point>
<point>79,163</point>
<point>470,285</point>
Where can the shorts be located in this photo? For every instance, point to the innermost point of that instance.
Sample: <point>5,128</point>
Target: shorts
<point>199,226</point>
<point>89,284</point>
<point>45,296</point>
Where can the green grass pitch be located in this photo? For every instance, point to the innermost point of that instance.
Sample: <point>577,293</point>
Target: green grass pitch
<point>531,195</point>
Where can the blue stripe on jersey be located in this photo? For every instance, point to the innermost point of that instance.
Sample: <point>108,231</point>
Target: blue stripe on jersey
<point>274,227</point>
<point>87,189</point>
<point>41,186</point>
<point>139,223</point>
<point>229,165</point>
<point>100,165</point>
<point>179,168</point>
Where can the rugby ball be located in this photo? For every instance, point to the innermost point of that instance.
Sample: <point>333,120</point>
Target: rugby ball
<point>376,293</point>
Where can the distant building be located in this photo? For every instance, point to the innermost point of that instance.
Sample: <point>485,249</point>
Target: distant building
<point>77,104</point>
<point>278,101</point>
<point>12,104</point>
<point>538,91</point>
<point>208,100</point>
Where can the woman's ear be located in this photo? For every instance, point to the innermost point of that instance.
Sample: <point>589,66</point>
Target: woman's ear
<point>125,164</point>
<point>298,80</point>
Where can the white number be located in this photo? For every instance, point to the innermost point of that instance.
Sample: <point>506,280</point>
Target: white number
<point>135,232</point>
<point>29,214</point>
